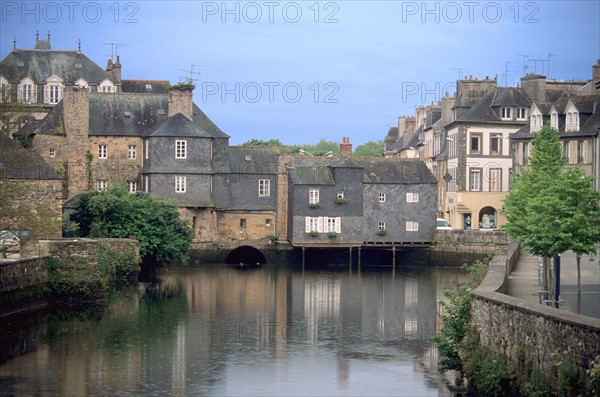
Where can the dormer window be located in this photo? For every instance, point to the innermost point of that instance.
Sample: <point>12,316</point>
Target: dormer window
<point>82,83</point>
<point>554,120</point>
<point>536,122</point>
<point>106,86</point>
<point>53,90</point>
<point>572,121</point>
<point>506,113</point>
<point>27,91</point>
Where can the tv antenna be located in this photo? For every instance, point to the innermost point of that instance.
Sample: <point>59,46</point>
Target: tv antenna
<point>525,65</point>
<point>190,73</point>
<point>535,61</point>
<point>460,71</point>
<point>550,55</point>
<point>506,72</point>
<point>114,49</point>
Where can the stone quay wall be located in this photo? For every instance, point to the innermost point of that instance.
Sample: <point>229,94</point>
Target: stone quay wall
<point>23,273</point>
<point>525,335</point>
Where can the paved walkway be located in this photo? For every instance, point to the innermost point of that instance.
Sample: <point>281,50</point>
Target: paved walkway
<point>524,283</point>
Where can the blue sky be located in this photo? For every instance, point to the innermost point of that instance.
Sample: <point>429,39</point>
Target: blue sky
<point>300,71</point>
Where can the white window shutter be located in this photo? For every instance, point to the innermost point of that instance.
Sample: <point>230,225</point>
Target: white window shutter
<point>320,224</point>
<point>326,224</point>
<point>307,224</point>
<point>338,225</point>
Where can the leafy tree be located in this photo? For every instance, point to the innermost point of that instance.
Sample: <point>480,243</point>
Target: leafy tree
<point>154,222</point>
<point>551,209</point>
<point>370,149</point>
<point>259,142</point>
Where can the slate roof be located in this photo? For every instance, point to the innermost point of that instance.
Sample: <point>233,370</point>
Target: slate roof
<point>178,126</point>
<point>510,97</point>
<point>317,171</point>
<point>41,64</point>
<point>17,162</point>
<point>392,134</point>
<point>108,113</point>
<point>146,86</point>
<point>252,160</point>
<point>483,111</point>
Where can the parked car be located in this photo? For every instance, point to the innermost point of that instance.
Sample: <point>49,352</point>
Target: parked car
<point>443,224</point>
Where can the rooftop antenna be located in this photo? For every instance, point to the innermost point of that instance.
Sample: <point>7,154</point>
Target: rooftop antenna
<point>114,49</point>
<point>535,61</point>
<point>460,71</point>
<point>550,55</point>
<point>505,74</point>
<point>525,65</point>
<point>191,73</point>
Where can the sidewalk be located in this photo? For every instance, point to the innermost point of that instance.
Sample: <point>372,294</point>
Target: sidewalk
<point>523,283</point>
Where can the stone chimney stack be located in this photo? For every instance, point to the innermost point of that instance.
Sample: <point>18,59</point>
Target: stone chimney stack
<point>596,73</point>
<point>346,147</point>
<point>180,100</point>
<point>534,86</point>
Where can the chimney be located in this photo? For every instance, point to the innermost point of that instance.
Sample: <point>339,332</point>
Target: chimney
<point>596,73</point>
<point>346,147</point>
<point>180,100</point>
<point>116,71</point>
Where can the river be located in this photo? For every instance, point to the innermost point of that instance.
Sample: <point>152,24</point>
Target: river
<point>214,330</point>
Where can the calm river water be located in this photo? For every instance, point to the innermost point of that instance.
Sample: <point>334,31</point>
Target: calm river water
<point>214,330</point>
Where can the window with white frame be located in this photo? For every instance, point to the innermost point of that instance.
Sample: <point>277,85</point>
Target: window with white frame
<point>554,120</point>
<point>132,185</point>
<point>52,153</point>
<point>180,184</point>
<point>106,86</point>
<point>572,123</point>
<point>412,226</point>
<point>146,183</point>
<point>27,91</point>
<point>131,152</point>
<point>572,152</point>
<point>312,224</point>
<point>340,195</point>
<point>82,83</point>
<point>521,113</point>
<point>412,197</point>
<point>382,197</point>
<point>495,179</point>
<point>506,113</point>
<point>147,149</point>
<point>495,144</point>
<point>536,122</point>
<point>475,180</point>
<point>101,185</point>
<point>381,226</point>
<point>583,152</point>
<point>180,149</point>
<point>332,225</point>
<point>313,196</point>
<point>53,90</point>
<point>264,188</point>
<point>102,152</point>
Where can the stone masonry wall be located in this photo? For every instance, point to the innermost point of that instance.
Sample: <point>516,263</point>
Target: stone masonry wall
<point>485,242</point>
<point>524,335</point>
<point>76,123</point>
<point>255,227</point>
<point>117,167</point>
<point>23,273</point>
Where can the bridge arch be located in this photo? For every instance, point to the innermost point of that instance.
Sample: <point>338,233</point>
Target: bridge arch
<point>246,254</point>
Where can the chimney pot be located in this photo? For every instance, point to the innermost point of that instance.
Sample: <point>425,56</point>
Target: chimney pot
<point>346,147</point>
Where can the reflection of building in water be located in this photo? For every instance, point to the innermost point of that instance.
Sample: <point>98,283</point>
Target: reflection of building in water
<point>179,362</point>
<point>321,305</point>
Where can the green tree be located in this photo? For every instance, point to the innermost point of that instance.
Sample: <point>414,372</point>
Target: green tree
<point>542,208</point>
<point>260,142</point>
<point>154,222</point>
<point>370,149</point>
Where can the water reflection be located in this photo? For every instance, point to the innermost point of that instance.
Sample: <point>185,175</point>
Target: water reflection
<point>272,331</point>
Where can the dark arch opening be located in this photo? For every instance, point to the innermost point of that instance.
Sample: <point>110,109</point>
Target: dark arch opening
<point>247,255</point>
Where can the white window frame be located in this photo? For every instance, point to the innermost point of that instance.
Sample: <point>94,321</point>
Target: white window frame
<point>554,120</point>
<point>264,188</point>
<point>107,87</point>
<point>181,149</point>
<point>412,197</point>
<point>332,224</point>
<point>131,152</point>
<point>381,226</point>
<point>497,137</point>
<point>53,90</point>
<point>132,186</point>
<point>479,138</point>
<point>382,197</point>
<point>475,179</point>
<point>313,224</point>
<point>506,113</point>
<point>102,151</point>
<point>340,195</point>
<point>52,153</point>
<point>521,113</point>
<point>180,184</point>
<point>101,185</point>
<point>572,152</point>
<point>27,91</point>
<point>313,196</point>
<point>412,226</point>
<point>146,183</point>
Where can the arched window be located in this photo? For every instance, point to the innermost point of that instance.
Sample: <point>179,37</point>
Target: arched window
<point>27,91</point>
<point>488,218</point>
<point>107,86</point>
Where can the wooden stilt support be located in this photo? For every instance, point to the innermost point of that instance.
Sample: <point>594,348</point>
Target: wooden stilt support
<point>359,256</point>
<point>303,256</point>
<point>394,256</point>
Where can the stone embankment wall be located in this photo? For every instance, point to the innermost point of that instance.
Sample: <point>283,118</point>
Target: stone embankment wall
<point>25,273</point>
<point>528,335</point>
